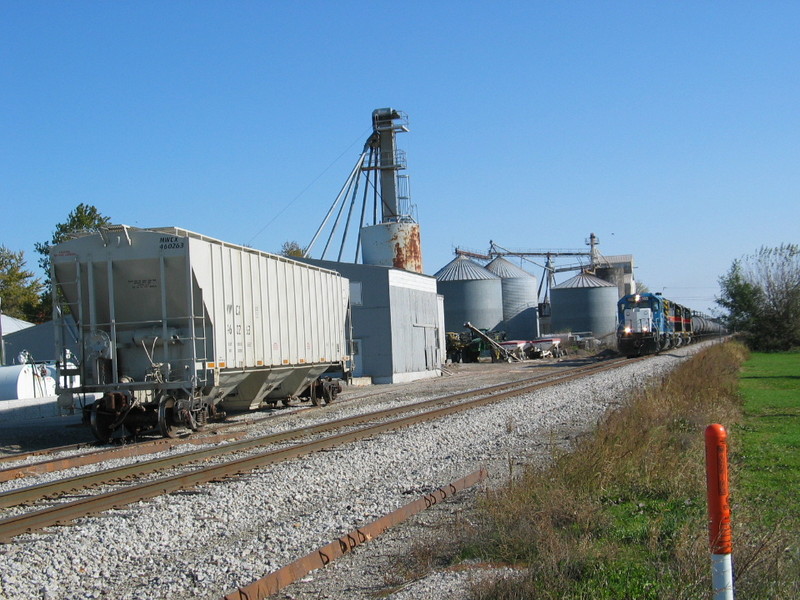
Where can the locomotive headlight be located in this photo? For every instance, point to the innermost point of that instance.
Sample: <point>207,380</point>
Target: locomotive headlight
<point>628,329</point>
<point>645,329</point>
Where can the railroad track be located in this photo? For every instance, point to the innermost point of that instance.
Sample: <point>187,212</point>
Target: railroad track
<point>127,449</point>
<point>124,447</point>
<point>356,427</point>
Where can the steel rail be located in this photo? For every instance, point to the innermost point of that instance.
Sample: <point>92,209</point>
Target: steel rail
<point>101,452</point>
<point>89,458</point>
<point>33,493</point>
<point>46,451</point>
<point>277,580</point>
<point>13,526</point>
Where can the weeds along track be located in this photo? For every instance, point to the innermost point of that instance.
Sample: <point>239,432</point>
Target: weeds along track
<point>138,481</point>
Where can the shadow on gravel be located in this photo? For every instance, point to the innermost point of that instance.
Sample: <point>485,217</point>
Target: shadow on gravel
<point>39,434</point>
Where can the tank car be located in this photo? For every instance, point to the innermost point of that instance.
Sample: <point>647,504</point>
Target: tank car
<point>702,325</point>
<point>175,327</point>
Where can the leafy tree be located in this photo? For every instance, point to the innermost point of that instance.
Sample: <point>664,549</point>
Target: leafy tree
<point>741,299</point>
<point>761,294</point>
<point>84,217</point>
<point>19,289</point>
<point>291,249</point>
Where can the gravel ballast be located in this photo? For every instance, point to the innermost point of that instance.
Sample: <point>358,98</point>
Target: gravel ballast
<point>205,542</point>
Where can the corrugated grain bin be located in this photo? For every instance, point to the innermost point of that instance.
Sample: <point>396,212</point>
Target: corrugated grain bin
<point>169,312</point>
<point>471,293</point>
<point>584,303</point>
<point>520,300</point>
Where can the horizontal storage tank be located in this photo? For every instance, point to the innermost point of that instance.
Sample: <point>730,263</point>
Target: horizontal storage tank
<point>584,303</point>
<point>26,381</point>
<point>471,293</point>
<point>520,300</point>
<point>166,313</point>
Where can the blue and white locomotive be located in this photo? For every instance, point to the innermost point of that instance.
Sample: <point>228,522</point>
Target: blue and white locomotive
<point>649,323</point>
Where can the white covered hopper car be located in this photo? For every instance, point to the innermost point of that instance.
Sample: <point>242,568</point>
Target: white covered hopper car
<point>173,325</point>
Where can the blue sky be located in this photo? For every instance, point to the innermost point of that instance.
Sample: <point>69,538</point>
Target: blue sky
<point>671,129</point>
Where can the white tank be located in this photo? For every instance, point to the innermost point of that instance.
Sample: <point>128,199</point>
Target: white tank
<point>392,245</point>
<point>26,381</point>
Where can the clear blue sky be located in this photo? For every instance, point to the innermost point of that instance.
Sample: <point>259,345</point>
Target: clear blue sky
<point>669,129</point>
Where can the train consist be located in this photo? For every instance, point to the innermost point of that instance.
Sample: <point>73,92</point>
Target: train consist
<point>649,323</point>
<point>173,328</point>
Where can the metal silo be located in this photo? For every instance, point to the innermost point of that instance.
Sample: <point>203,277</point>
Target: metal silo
<point>584,303</point>
<point>520,300</point>
<point>471,293</point>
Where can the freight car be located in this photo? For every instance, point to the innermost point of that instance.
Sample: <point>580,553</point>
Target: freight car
<point>649,323</point>
<point>175,327</point>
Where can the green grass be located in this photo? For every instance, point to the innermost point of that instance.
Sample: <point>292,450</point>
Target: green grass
<point>768,456</point>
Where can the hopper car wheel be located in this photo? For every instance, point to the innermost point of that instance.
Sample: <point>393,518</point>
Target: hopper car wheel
<point>101,423</point>
<point>286,401</point>
<point>166,417</point>
<point>315,399</point>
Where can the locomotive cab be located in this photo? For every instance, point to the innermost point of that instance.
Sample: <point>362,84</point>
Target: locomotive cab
<point>640,324</point>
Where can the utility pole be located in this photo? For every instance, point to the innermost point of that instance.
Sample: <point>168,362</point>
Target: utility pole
<point>2,343</point>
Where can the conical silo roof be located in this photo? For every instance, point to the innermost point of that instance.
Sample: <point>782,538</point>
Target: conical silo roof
<point>506,269</point>
<point>584,303</point>
<point>462,268</point>
<point>583,280</point>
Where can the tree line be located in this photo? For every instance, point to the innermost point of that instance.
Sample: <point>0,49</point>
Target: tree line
<point>760,295</point>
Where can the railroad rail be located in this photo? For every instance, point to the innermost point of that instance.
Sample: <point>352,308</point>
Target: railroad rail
<point>33,493</point>
<point>125,447</point>
<point>277,580</point>
<point>101,455</point>
<point>432,409</point>
<point>47,451</point>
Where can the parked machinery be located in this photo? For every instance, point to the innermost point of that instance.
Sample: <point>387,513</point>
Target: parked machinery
<point>649,323</point>
<point>174,326</point>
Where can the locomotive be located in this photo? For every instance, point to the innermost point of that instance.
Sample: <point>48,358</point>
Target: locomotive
<point>173,328</point>
<point>649,323</point>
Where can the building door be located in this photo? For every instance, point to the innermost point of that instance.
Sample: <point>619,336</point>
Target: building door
<point>358,366</point>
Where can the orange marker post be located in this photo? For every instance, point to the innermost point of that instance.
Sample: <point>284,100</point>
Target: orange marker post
<point>719,511</point>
